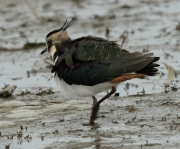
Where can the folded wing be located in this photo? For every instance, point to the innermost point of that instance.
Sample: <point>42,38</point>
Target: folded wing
<point>92,60</point>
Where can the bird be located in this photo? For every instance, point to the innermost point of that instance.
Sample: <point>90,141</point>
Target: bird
<point>88,65</point>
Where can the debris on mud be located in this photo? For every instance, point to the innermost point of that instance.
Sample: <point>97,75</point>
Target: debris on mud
<point>178,27</point>
<point>22,93</point>
<point>44,92</point>
<point>7,91</point>
<point>170,87</point>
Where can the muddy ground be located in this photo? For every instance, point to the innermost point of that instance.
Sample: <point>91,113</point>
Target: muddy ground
<point>36,116</point>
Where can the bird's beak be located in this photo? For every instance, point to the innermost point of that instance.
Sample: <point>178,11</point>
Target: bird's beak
<point>45,50</point>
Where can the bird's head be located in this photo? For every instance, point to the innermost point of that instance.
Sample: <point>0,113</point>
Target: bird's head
<point>56,36</point>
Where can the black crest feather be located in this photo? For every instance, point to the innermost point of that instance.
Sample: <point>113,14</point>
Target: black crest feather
<point>65,26</point>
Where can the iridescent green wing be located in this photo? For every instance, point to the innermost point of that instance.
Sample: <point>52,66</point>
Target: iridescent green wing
<point>96,60</point>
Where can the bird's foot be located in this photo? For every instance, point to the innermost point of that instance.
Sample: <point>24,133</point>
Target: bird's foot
<point>96,104</point>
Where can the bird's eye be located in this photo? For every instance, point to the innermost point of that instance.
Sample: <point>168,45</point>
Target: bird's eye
<point>50,42</point>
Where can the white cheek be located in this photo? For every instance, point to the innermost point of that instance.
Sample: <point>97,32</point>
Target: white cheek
<point>52,50</point>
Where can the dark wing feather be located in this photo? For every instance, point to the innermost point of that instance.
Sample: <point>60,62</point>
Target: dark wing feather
<point>96,60</point>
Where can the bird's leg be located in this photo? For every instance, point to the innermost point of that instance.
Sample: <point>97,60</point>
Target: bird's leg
<point>96,104</point>
<point>95,108</point>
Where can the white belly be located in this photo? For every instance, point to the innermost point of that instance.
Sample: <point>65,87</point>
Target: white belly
<point>82,90</point>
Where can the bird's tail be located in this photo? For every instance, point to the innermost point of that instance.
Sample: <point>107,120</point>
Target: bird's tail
<point>150,69</point>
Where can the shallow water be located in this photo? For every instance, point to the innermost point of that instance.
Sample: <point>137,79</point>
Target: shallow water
<point>140,121</point>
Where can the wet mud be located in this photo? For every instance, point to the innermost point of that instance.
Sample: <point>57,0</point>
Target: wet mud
<point>34,114</point>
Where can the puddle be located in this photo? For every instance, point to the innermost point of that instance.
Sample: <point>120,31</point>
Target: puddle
<point>33,142</point>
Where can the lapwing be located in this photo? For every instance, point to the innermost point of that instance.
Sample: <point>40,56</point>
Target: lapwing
<point>86,66</point>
